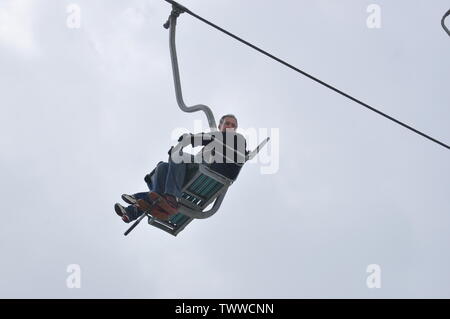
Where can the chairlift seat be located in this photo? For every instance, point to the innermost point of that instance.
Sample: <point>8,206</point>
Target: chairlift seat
<point>202,187</point>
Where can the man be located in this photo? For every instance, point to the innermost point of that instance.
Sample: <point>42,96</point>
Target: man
<point>224,152</point>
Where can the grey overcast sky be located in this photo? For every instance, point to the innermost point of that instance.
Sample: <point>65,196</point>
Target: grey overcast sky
<point>87,112</point>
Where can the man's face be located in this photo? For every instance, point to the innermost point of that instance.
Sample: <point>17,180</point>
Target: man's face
<point>228,124</point>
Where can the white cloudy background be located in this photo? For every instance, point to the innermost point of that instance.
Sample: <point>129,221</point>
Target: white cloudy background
<point>86,113</point>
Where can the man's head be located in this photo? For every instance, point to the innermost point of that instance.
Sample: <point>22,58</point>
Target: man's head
<point>228,122</point>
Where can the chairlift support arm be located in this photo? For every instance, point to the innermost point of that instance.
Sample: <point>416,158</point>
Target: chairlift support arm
<point>443,22</point>
<point>171,24</point>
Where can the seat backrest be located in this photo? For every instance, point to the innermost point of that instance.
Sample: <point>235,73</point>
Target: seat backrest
<point>203,187</point>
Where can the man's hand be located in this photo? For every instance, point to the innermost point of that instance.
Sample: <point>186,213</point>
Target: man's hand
<point>185,137</point>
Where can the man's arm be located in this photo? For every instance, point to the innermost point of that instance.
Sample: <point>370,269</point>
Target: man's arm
<point>199,139</point>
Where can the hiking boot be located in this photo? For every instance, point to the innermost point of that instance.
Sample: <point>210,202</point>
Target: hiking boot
<point>120,210</point>
<point>129,199</point>
<point>126,219</point>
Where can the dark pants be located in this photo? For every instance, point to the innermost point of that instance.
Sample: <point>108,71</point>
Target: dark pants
<point>167,179</point>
